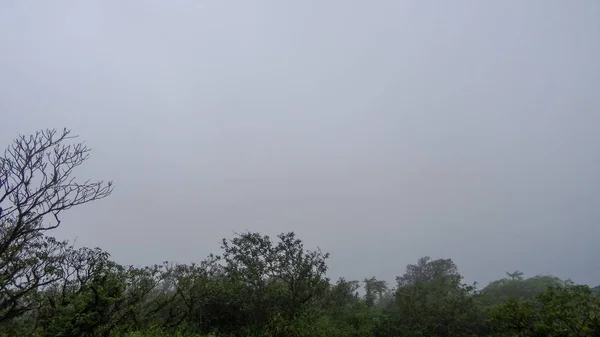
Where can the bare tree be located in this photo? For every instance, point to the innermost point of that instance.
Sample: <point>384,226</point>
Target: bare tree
<point>36,185</point>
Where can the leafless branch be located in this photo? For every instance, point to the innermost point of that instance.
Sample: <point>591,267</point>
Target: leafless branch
<point>36,185</point>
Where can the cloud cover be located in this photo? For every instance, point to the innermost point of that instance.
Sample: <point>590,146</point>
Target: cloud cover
<point>380,131</point>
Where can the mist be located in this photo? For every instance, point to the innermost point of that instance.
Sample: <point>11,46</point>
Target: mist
<point>380,131</point>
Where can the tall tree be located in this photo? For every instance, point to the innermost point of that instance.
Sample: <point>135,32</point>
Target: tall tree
<point>36,185</point>
<point>427,270</point>
<point>431,300</point>
<point>344,292</point>
<point>374,290</point>
<point>284,270</point>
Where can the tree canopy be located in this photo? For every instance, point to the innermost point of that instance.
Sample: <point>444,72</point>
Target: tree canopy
<point>256,285</point>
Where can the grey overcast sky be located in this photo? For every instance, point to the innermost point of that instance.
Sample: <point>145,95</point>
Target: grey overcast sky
<point>380,131</point>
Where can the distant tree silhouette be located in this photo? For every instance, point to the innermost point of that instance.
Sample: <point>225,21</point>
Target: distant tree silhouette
<point>516,275</point>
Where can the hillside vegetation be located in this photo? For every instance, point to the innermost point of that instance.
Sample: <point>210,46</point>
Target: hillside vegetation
<point>255,285</point>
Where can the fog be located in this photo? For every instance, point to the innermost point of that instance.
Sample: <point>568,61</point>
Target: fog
<point>380,131</point>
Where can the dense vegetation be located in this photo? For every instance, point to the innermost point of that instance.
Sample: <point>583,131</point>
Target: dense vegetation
<point>256,285</point>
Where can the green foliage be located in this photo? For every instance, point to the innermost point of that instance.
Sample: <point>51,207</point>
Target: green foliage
<point>161,333</point>
<point>374,290</point>
<point>276,278</point>
<point>559,311</point>
<point>257,287</point>
<point>255,290</point>
<point>502,290</point>
<point>431,300</point>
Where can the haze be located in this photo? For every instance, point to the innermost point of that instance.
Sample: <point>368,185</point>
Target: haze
<point>380,131</point>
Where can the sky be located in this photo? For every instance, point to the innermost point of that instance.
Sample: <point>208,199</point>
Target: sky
<point>379,131</point>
